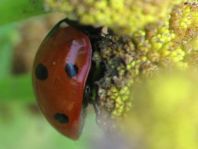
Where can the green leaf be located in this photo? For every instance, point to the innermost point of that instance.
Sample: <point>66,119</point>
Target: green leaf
<point>16,88</point>
<point>19,9</point>
<point>8,38</point>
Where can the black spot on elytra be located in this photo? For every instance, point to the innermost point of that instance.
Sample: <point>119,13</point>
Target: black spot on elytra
<point>41,72</point>
<point>61,118</point>
<point>71,70</point>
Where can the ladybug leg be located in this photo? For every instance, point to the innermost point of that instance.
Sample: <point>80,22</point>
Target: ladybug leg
<point>87,93</point>
<point>95,103</point>
<point>96,108</point>
<point>90,98</point>
<point>97,111</point>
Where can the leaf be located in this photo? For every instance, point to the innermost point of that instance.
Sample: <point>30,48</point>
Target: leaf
<point>16,88</point>
<point>8,38</point>
<point>11,11</point>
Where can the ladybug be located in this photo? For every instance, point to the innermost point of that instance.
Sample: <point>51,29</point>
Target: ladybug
<point>60,76</point>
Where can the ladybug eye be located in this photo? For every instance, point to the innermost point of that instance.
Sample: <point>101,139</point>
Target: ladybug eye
<point>41,72</point>
<point>61,118</point>
<point>71,70</point>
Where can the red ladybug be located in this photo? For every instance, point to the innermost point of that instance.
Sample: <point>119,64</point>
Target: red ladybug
<point>60,73</point>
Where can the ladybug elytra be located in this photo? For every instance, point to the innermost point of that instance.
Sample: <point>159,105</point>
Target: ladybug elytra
<point>60,74</point>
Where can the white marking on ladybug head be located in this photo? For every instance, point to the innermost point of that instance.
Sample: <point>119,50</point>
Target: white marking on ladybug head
<point>104,30</point>
<point>63,25</point>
